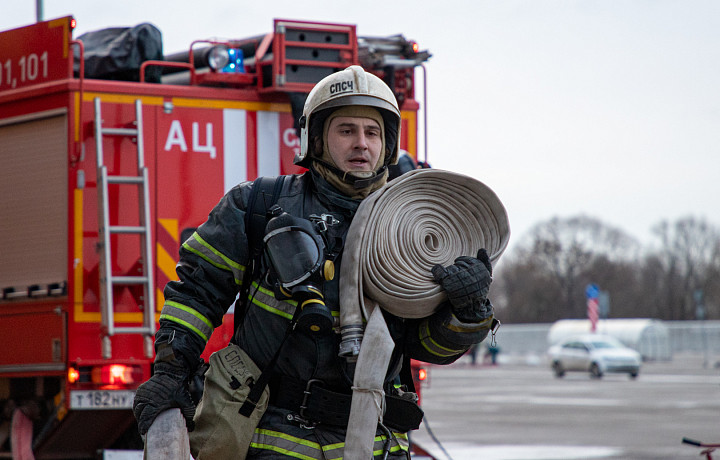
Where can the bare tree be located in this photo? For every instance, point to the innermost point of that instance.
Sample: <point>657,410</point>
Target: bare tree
<point>544,277</point>
<point>555,261</point>
<point>689,261</point>
<point>567,247</point>
<point>652,285</point>
<point>524,292</point>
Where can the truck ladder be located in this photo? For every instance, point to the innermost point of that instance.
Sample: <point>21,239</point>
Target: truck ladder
<point>108,281</point>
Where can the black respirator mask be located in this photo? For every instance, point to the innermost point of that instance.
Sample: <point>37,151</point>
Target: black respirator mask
<point>295,253</point>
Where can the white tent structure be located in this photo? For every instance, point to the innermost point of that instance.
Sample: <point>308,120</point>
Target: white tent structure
<point>649,337</point>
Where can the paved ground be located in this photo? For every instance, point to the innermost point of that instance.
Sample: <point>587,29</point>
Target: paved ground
<point>519,410</point>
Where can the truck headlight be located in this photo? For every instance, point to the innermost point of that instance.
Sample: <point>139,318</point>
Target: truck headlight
<point>218,57</point>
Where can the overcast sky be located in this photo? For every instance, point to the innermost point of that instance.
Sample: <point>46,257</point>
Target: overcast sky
<point>606,108</point>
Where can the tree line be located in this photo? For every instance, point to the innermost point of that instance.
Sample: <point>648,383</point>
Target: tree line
<point>543,278</point>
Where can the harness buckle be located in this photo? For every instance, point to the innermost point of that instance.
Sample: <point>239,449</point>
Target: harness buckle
<point>301,417</point>
<point>306,396</point>
<point>302,422</point>
<point>323,221</point>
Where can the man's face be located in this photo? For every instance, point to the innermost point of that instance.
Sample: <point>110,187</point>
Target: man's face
<point>354,143</point>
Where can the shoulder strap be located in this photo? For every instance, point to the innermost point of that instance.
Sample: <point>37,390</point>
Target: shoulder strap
<point>264,194</point>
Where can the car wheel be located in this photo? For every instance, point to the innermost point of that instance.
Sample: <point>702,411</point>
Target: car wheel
<point>595,371</point>
<point>633,375</point>
<point>557,367</point>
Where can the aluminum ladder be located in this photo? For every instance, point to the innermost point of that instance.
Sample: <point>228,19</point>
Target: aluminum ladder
<point>108,281</point>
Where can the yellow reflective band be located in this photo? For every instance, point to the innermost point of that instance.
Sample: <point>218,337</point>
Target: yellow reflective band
<point>287,452</point>
<point>295,447</point>
<point>295,439</point>
<point>270,293</point>
<point>188,317</point>
<point>225,258</point>
<point>266,300</point>
<point>432,346</point>
<point>285,444</point>
<point>189,248</point>
<point>392,449</point>
<point>198,246</point>
<point>186,324</point>
<point>337,445</point>
<point>273,310</point>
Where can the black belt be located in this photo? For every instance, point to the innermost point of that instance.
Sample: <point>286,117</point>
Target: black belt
<point>315,404</point>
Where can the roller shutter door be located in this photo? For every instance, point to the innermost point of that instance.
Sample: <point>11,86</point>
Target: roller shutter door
<point>33,202</point>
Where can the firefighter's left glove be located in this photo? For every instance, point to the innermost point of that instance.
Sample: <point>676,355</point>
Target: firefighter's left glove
<point>467,284</point>
<point>166,389</point>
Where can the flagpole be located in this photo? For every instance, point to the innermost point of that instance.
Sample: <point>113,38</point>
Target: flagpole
<point>39,10</point>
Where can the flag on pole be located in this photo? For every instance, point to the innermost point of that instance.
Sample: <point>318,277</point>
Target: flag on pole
<point>592,292</point>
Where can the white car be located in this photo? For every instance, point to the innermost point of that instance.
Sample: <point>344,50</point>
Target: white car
<point>594,353</point>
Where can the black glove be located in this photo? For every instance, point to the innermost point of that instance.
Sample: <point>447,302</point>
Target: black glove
<point>166,389</point>
<point>467,283</point>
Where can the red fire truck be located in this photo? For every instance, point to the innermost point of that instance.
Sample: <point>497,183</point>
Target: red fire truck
<point>103,175</point>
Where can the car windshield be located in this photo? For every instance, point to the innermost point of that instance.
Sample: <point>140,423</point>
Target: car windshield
<point>603,344</point>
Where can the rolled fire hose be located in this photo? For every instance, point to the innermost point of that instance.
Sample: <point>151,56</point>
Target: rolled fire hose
<point>167,437</point>
<point>424,217</point>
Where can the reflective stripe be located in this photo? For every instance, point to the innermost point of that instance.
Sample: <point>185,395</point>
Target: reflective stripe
<point>188,317</point>
<point>285,444</point>
<point>295,447</point>
<point>265,299</point>
<point>398,442</point>
<point>458,326</point>
<point>203,249</point>
<point>334,451</point>
<point>432,346</point>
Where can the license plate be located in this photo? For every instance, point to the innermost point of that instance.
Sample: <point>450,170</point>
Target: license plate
<point>102,399</point>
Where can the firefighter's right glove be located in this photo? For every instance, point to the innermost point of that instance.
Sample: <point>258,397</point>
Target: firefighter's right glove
<point>467,284</point>
<point>166,389</point>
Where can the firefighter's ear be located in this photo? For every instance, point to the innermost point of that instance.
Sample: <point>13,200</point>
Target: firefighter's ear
<point>317,144</point>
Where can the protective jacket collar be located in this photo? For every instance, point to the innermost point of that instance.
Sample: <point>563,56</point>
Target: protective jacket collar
<point>331,196</point>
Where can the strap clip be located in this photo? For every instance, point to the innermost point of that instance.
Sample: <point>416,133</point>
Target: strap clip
<point>493,330</point>
<point>323,221</point>
<point>301,417</point>
<point>306,396</point>
<point>303,423</point>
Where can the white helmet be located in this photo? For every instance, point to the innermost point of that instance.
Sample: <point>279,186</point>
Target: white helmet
<point>351,86</point>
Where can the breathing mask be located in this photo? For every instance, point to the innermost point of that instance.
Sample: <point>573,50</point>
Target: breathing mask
<point>295,253</point>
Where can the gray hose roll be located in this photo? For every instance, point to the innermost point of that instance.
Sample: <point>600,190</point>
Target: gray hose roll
<point>423,218</point>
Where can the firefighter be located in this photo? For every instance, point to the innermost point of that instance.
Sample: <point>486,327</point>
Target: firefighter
<point>349,136</point>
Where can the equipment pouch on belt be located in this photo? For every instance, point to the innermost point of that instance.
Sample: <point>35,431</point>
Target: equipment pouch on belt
<point>221,432</point>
